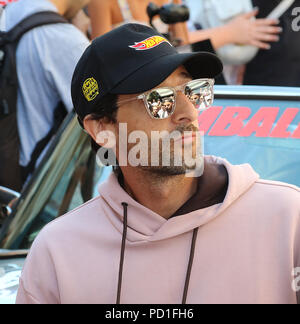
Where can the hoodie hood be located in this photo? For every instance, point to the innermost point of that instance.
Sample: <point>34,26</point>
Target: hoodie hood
<point>145,225</point>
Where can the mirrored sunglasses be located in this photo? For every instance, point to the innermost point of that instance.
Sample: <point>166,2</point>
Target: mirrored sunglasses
<point>161,102</point>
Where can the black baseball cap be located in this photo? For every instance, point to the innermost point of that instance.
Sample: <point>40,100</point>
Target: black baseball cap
<point>132,59</point>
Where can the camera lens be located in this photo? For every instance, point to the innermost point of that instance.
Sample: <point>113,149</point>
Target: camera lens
<point>172,14</point>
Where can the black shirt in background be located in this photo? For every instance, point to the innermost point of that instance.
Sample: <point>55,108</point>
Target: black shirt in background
<point>279,66</point>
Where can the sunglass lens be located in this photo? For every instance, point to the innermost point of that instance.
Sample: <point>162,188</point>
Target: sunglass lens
<point>200,93</point>
<point>161,103</point>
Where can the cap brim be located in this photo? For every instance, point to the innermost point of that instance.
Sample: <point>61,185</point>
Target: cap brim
<point>199,65</point>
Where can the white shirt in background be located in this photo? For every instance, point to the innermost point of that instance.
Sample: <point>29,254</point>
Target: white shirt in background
<point>46,59</point>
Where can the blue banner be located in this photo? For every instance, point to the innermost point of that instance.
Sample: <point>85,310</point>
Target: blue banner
<point>263,133</point>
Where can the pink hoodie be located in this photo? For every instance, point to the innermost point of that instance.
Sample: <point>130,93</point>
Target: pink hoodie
<point>247,249</point>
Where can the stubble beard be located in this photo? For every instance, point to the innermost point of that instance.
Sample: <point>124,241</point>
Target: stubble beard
<point>177,165</point>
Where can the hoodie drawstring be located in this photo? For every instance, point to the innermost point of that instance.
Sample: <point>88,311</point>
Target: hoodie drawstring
<point>191,260</point>
<point>125,205</point>
<point>190,265</point>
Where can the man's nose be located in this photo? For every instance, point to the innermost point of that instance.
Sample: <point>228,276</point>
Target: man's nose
<point>185,112</point>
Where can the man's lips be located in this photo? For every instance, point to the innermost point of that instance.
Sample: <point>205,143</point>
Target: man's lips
<point>188,137</point>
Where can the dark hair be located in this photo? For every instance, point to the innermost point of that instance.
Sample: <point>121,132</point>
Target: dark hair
<point>107,109</point>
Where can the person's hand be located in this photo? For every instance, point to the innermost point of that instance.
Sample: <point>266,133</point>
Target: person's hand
<point>246,30</point>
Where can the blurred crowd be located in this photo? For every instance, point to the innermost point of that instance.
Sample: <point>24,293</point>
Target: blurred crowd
<point>256,48</point>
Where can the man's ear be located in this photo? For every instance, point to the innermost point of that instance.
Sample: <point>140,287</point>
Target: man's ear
<point>102,132</point>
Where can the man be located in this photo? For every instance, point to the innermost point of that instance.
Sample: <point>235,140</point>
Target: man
<point>194,98</point>
<point>163,112</point>
<point>46,58</point>
<point>154,108</point>
<point>156,234</point>
<point>156,103</point>
<point>168,104</point>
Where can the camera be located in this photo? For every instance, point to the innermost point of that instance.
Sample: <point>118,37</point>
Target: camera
<point>170,14</point>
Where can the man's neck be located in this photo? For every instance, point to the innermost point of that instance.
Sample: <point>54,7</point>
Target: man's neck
<point>166,195</point>
<point>162,195</point>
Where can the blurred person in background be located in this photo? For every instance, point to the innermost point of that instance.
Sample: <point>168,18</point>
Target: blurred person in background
<point>46,57</point>
<point>105,14</point>
<point>108,14</point>
<point>279,66</point>
<point>239,26</point>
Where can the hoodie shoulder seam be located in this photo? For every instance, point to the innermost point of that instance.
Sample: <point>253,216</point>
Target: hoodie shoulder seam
<point>82,206</point>
<point>278,184</point>
<point>72,212</point>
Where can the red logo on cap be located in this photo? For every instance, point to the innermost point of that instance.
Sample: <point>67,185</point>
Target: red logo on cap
<point>149,43</point>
